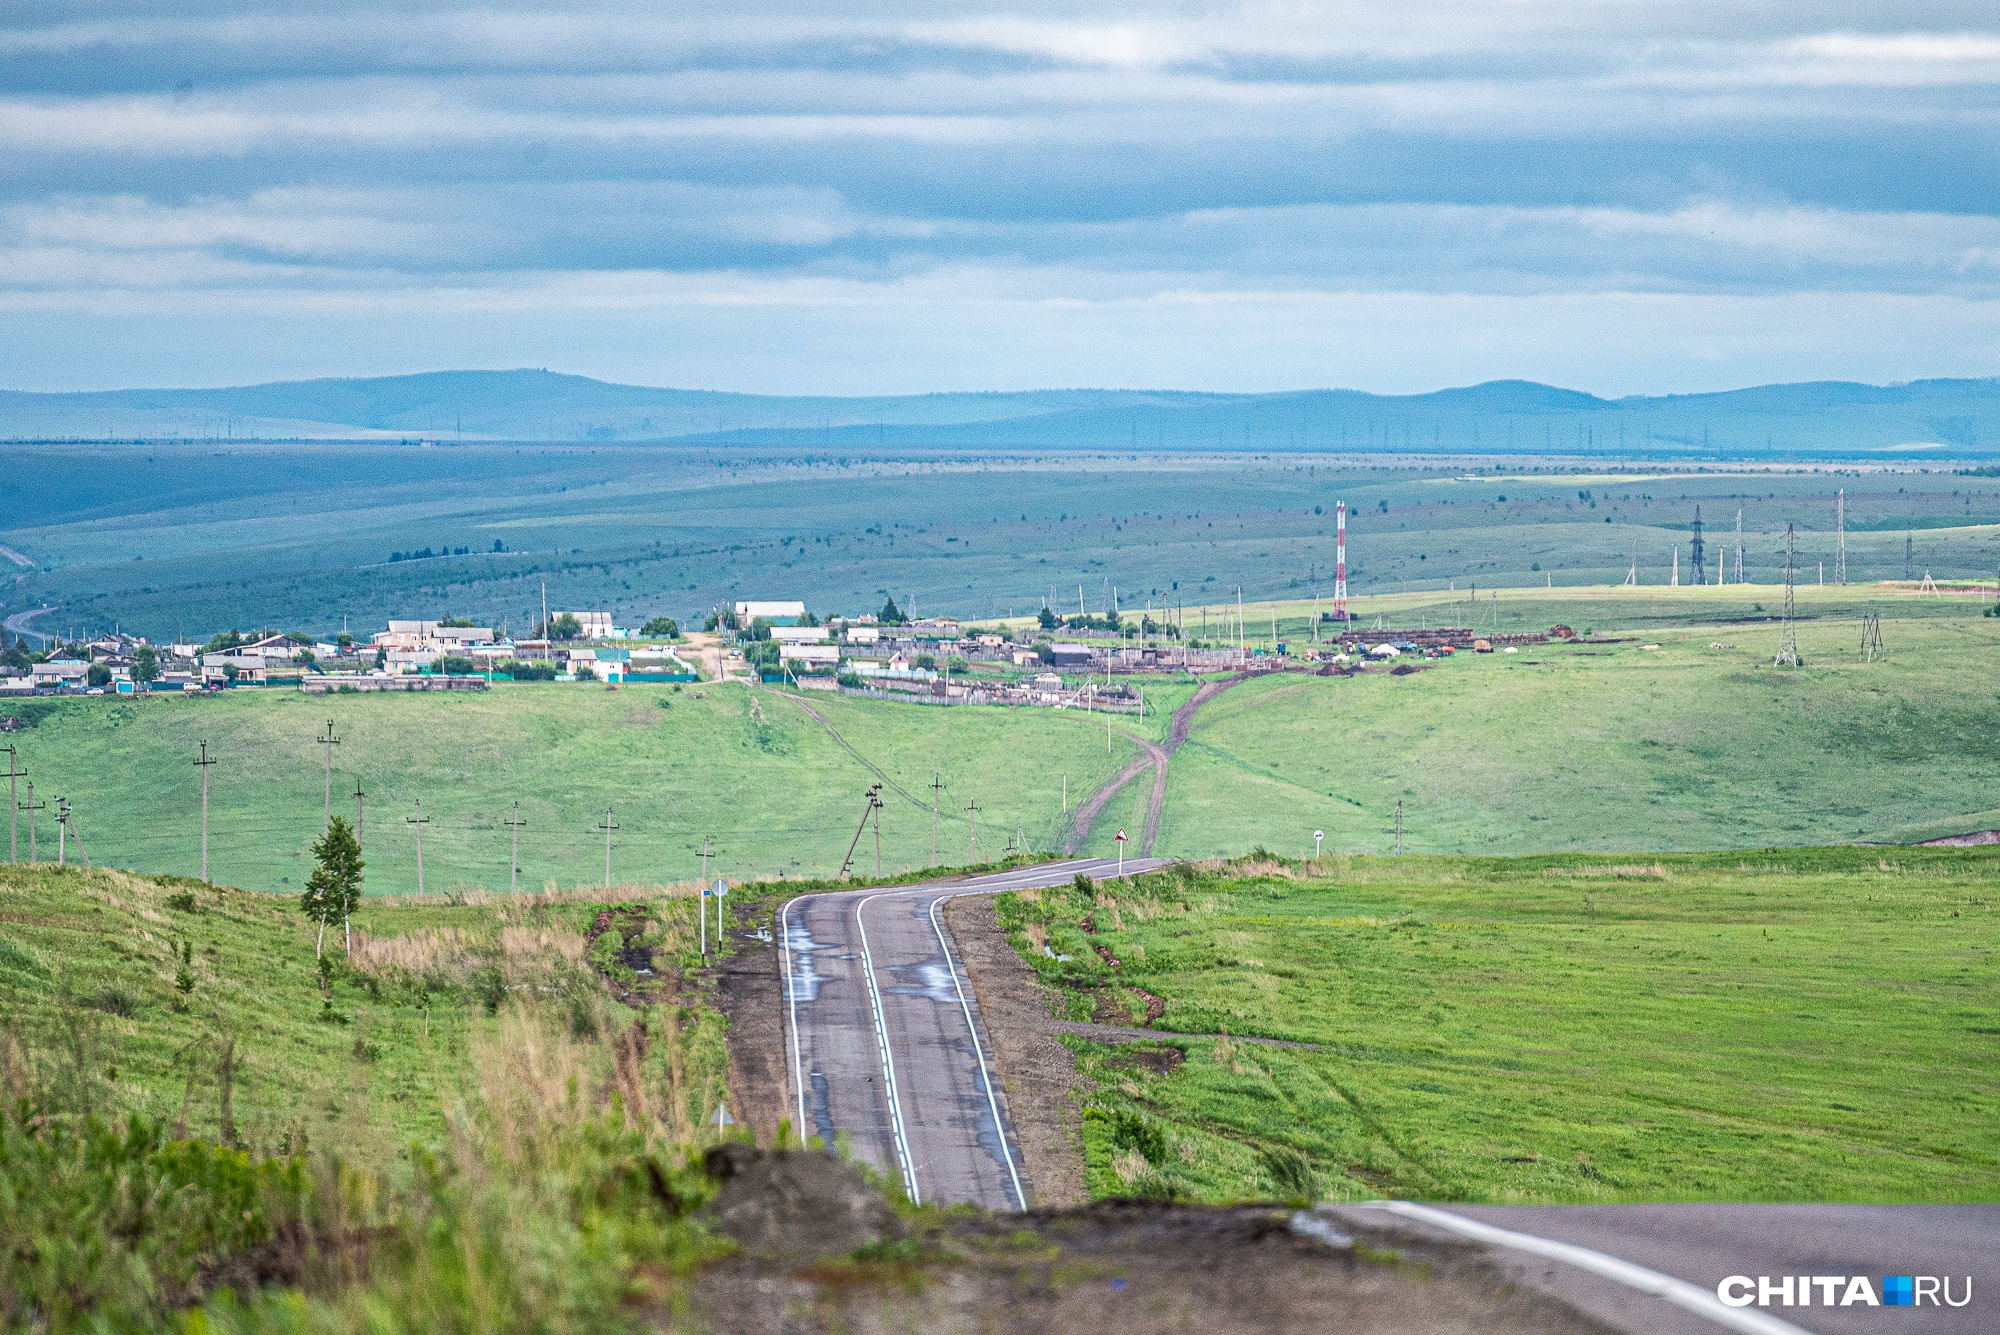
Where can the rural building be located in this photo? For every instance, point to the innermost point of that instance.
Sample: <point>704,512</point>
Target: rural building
<point>596,625</point>
<point>809,655</point>
<point>801,634</point>
<point>430,635</point>
<point>777,613</point>
<point>250,667</point>
<point>1071,655</point>
<point>59,672</point>
<point>863,634</point>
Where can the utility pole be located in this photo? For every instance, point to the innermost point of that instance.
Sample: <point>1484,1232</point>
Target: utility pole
<point>1788,636</point>
<point>1840,537</point>
<point>204,762</point>
<point>876,820</point>
<point>608,826</point>
<point>1399,827</point>
<point>937,790</point>
<point>1242,651</point>
<point>874,800</point>
<point>327,741</point>
<point>1909,557</point>
<point>62,832</point>
<point>514,863</point>
<point>704,859</point>
<point>32,806</point>
<point>973,808</point>
<point>14,775</point>
<point>419,821</point>
<point>1871,637</point>
<point>1739,544</point>
<point>359,798</point>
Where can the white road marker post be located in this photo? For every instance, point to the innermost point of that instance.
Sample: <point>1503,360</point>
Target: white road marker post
<point>1121,852</point>
<point>1317,836</point>
<point>721,890</point>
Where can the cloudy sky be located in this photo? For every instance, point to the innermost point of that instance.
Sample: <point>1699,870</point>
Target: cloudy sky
<point>845,196</point>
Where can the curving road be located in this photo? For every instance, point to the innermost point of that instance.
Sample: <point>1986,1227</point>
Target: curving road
<point>888,1056</point>
<point>17,625</point>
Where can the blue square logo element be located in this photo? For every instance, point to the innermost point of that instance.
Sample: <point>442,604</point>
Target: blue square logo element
<point>1899,1291</point>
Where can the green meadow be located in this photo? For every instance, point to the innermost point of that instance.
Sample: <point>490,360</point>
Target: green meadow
<point>259,1050</point>
<point>771,791</point>
<point>1667,727</point>
<point>1776,1025</point>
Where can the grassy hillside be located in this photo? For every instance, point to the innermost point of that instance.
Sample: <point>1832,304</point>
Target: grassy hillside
<point>770,788</point>
<point>1657,741</point>
<point>1792,1025</point>
<point>1644,737</point>
<point>257,1052</point>
<point>459,1130</point>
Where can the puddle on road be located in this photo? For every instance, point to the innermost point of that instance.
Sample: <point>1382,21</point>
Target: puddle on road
<point>804,980</point>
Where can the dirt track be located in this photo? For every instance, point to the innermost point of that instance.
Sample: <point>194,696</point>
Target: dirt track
<point>1157,757</point>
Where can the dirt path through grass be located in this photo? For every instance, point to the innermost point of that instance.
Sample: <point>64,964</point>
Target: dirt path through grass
<point>1157,756</point>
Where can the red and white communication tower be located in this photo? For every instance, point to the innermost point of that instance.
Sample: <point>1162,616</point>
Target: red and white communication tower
<point>1340,561</point>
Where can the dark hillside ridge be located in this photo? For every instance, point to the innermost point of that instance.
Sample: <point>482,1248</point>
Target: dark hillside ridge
<point>1820,419</point>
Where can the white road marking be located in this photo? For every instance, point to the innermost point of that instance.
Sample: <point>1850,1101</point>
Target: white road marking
<point>1676,1291</point>
<point>985,1076</point>
<point>888,1061</point>
<point>792,1000</point>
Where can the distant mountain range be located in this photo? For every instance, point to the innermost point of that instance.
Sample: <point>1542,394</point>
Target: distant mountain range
<point>1832,419</point>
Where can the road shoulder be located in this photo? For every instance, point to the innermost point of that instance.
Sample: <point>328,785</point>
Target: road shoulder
<point>1036,1070</point>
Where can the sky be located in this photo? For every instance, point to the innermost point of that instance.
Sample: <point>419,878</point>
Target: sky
<point>851,197</point>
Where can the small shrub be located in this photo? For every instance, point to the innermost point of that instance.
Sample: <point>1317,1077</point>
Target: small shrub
<point>365,1051</point>
<point>183,901</point>
<point>490,986</point>
<point>1291,1172</point>
<point>115,999</point>
<point>1132,1131</point>
<point>184,977</point>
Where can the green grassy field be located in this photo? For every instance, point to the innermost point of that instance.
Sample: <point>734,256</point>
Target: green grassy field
<point>466,1130</point>
<point>374,1064</point>
<point>1791,1025</point>
<point>773,792</point>
<point>1647,736</point>
<point>1655,739</point>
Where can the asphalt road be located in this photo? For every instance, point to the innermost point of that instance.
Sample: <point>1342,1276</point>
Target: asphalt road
<point>17,625</point>
<point>888,1055</point>
<point>1703,1244</point>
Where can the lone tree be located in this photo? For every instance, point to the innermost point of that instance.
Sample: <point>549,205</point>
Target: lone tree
<point>890,615</point>
<point>145,665</point>
<point>333,891</point>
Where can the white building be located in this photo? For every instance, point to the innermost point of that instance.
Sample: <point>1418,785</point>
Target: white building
<point>801,634</point>
<point>777,613</point>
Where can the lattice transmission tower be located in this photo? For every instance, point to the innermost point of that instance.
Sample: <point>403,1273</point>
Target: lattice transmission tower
<point>1788,635</point>
<point>1840,537</point>
<point>1871,638</point>
<point>1695,552</point>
